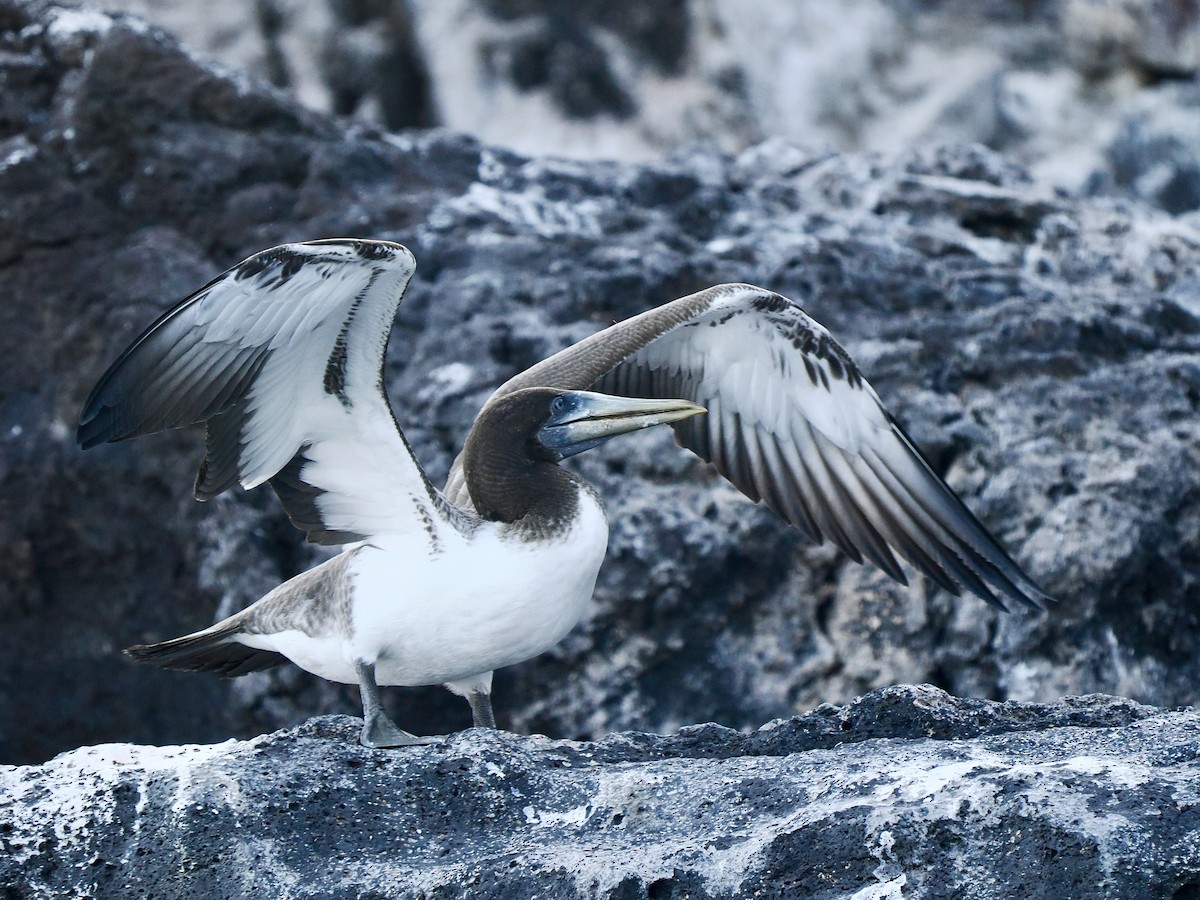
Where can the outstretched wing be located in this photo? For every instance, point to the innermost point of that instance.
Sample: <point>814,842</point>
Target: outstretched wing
<point>792,422</point>
<point>281,357</point>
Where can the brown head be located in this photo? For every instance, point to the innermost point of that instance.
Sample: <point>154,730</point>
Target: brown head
<point>511,457</point>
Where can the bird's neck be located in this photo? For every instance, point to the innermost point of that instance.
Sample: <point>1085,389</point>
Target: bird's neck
<point>507,485</point>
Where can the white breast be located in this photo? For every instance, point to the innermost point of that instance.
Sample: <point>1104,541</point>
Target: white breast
<point>483,602</point>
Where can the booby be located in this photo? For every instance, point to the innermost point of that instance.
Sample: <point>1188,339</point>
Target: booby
<point>281,357</point>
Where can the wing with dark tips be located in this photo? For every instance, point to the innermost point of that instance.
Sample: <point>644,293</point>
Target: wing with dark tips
<point>792,422</point>
<point>281,357</point>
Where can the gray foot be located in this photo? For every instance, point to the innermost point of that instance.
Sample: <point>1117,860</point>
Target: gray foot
<point>381,732</point>
<point>378,730</point>
<point>481,709</point>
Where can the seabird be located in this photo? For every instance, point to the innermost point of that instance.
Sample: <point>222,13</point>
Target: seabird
<point>281,357</point>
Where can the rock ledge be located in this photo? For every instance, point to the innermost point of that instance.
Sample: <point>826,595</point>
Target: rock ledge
<point>908,792</point>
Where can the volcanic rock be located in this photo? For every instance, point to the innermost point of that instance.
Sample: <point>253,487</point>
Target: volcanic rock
<point>1041,348</point>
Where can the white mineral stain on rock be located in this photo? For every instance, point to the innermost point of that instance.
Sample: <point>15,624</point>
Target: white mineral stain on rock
<point>888,890</point>
<point>76,791</point>
<point>530,209</point>
<point>68,24</point>
<point>448,380</point>
<point>20,150</point>
<point>547,818</point>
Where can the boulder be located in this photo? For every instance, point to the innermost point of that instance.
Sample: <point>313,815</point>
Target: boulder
<point>1041,349</point>
<point>907,792</point>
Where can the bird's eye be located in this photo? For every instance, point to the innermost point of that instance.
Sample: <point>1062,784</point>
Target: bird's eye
<point>558,405</point>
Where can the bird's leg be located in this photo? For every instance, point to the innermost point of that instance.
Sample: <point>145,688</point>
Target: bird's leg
<point>478,691</point>
<point>481,709</point>
<point>379,730</point>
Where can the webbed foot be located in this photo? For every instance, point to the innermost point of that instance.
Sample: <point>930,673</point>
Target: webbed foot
<point>378,730</point>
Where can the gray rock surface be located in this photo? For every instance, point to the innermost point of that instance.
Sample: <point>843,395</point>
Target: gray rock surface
<point>905,793</point>
<point>1059,84</point>
<point>1041,348</point>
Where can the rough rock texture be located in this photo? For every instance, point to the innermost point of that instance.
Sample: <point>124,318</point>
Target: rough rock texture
<point>905,793</point>
<point>1041,349</point>
<point>1064,85</point>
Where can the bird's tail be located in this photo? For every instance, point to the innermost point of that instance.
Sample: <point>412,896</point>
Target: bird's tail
<point>211,650</point>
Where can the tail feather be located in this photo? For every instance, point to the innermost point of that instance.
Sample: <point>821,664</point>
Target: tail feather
<point>210,650</point>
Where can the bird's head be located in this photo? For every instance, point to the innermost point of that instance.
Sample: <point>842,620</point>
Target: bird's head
<point>576,421</point>
<point>517,434</point>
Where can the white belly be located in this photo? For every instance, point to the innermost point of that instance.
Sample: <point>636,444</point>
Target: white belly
<point>482,603</point>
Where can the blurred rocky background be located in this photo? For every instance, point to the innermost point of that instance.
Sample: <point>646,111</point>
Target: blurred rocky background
<point>1097,96</point>
<point>990,203</point>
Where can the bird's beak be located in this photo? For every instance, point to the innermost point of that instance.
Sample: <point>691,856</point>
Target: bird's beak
<point>580,420</point>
